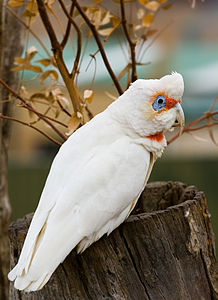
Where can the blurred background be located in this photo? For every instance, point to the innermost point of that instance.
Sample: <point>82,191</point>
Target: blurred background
<point>186,42</point>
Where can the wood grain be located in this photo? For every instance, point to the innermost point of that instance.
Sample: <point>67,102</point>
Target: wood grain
<point>165,250</point>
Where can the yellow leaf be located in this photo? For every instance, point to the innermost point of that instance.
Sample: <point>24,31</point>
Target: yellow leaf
<point>125,1</point>
<point>143,2</point>
<point>37,96</point>
<point>19,68</point>
<point>148,20</point>
<point>168,6</point>
<point>88,95</point>
<point>31,11</point>
<point>105,31</point>
<point>152,5</point>
<point>45,62</point>
<point>151,32</point>
<point>106,18</point>
<point>73,124</point>
<point>19,60</point>
<point>36,69</point>
<point>48,4</point>
<point>32,7</point>
<point>15,3</point>
<point>31,52</point>
<point>50,73</point>
<point>140,13</point>
<point>97,1</point>
<point>114,21</point>
<point>162,1</point>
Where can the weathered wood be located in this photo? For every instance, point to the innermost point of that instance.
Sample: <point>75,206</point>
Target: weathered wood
<point>166,252</point>
<point>10,46</point>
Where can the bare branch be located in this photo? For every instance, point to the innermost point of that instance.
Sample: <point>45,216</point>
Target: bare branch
<point>79,38</point>
<point>206,116</point>
<point>101,48</point>
<point>132,44</point>
<point>30,30</point>
<point>63,109</point>
<point>90,114</point>
<point>51,119</point>
<point>31,126</point>
<point>29,106</point>
<point>58,55</point>
<point>67,32</point>
<point>104,41</point>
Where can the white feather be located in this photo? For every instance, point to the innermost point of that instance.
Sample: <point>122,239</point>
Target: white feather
<point>93,185</point>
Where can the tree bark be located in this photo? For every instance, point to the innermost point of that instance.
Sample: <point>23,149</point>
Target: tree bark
<point>10,46</point>
<point>165,250</point>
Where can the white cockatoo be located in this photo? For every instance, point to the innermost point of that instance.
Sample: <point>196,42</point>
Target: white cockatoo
<point>97,177</point>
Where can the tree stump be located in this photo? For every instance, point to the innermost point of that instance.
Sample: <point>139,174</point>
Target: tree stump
<point>165,250</point>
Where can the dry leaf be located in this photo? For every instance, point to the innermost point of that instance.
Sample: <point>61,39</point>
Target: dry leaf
<point>19,60</point>
<point>151,32</point>
<point>28,67</point>
<point>143,2</point>
<point>162,1</point>
<point>140,13</point>
<point>31,52</point>
<point>152,5</point>
<point>97,1</point>
<point>112,97</point>
<point>198,138</point>
<point>148,20</point>
<point>115,21</point>
<point>105,31</point>
<point>15,3</point>
<point>37,96</point>
<point>123,71</point>
<point>35,69</point>
<point>125,1</point>
<point>45,62</point>
<point>73,124</point>
<point>31,11</point>
<point>49,4</point>
<point>88,95</point>
<point>50,73</point>
<point>168,6</point>
<point>106,18</point>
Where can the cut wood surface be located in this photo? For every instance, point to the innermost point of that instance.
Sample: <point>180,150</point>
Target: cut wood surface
<point>164,250</point>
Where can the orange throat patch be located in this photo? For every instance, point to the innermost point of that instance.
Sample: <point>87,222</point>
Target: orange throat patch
<point>158,137</point>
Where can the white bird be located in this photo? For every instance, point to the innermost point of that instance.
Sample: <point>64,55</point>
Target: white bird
<point>97,177</point>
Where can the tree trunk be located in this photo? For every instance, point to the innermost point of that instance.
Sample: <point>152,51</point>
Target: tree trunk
<point>10,46</point>
<point>165,250</point>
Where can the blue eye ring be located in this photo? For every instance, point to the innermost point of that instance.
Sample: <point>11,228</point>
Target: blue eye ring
<point>159,102</point>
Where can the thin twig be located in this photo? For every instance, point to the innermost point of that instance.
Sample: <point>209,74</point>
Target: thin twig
<point>101,48</point>
<point>31,126</point>
<point>79,38</point>
<point>58,55</point>
<point>103,43</point>
<point>154,40</point>
<point>31,108</point>
<point>63,109</point>
<point>30,30</point>
<point>90,114</point>
<point>51,119</point>
<point>195,122</point>
<point>132,44</point>
<point>67,32</point>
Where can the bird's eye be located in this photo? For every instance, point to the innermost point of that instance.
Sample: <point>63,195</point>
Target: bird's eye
<point>159,102</point>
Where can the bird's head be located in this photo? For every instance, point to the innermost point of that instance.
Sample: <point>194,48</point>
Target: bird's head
<point>151,107</point>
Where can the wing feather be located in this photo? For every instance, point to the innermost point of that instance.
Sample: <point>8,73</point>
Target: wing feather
<point>90,198</point>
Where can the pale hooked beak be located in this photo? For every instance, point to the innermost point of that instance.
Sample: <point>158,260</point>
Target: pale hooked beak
<point>180,117</point>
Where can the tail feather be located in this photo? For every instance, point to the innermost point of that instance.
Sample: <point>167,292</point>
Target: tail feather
<point>26,284</point>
